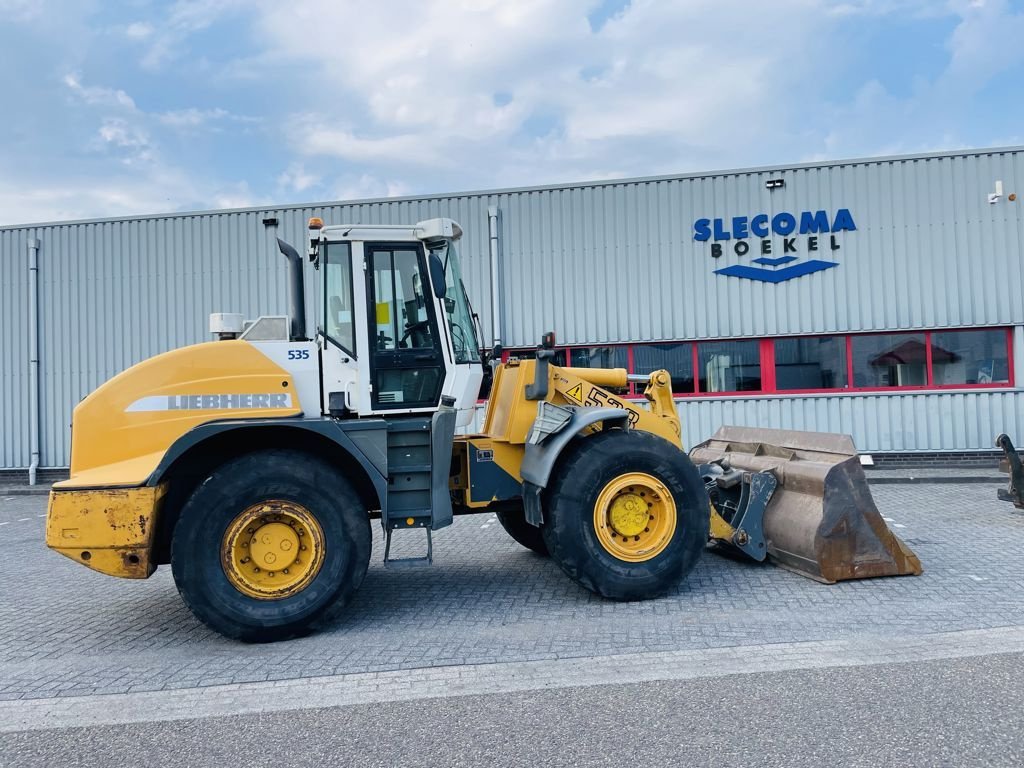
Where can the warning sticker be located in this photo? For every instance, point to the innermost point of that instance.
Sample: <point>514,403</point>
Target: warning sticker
<point>576,393</point>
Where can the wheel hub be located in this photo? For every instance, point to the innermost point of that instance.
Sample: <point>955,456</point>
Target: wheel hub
<point>272,550</point>
<point>628,514</point>
<point>274,546</point>
<point>635,517</point>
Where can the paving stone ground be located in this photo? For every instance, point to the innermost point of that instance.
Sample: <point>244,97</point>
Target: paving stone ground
<point>66,631</point>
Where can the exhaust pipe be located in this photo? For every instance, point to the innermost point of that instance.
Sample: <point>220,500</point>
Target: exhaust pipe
<point>296,291</point>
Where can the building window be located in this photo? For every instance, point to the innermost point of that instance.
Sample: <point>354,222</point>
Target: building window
<point>530,354</point>
<point>599,357</point>
<point>813,362</point>
<point>970,357</point>
<point>729,366</point>
<point>890,360</point>
<point>977,357</point>
<point>677,359</point>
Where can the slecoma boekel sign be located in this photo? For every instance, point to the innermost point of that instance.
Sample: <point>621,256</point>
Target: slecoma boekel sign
<point>808,232</point>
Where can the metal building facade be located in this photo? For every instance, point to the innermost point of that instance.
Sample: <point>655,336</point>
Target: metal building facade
<point>600,262</point>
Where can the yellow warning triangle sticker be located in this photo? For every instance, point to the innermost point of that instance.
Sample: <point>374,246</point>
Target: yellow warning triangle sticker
<point>576,393</point>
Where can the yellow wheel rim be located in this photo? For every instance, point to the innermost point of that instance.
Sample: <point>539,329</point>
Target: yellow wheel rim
<point>635,517</point>
<point>273,550</point>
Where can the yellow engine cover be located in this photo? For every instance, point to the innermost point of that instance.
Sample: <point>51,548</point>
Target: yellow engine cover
<point>122,430</point>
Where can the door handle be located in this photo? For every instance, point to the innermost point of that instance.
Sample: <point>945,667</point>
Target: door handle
<point>425,356</point>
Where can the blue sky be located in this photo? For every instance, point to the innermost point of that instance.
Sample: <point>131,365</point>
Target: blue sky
<point>120,108</point>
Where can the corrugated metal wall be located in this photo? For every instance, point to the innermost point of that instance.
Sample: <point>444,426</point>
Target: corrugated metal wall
<point>610,262</point>
<point>907,422</point>
<point>14,354</point>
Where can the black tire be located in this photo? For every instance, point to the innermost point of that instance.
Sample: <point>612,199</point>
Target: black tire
<point>569,529</point>
<point>530,536</point>
<point>285,475</point>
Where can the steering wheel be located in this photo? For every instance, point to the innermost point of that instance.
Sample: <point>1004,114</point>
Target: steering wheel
<point>410,330</point>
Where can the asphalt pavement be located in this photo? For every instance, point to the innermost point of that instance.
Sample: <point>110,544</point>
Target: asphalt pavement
<point>939,713</point>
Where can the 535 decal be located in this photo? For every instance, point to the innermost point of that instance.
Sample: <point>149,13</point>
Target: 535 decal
<point>298,354</point>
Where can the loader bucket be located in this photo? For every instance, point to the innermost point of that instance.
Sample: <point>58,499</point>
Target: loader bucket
<point>821,520</point>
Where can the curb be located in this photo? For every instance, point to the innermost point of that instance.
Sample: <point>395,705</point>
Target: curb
<point>944,480</point>
<point>25,491</point>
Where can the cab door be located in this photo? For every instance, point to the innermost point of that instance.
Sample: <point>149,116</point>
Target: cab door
<point>407,367</point>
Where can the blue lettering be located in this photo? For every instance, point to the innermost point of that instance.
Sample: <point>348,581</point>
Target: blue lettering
<point>721,234</point>
<point>759,225</point>
<point>844,221</point>
<point>702,230</point>
<point>739,227</point>
<point>813,222</point>
<point>783,224</point>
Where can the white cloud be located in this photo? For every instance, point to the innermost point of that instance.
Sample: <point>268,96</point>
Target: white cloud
<point>368,186</point>
<point>139,30</point>
<point>297,179</point>
<point>192,117</point>
<point>192,120</point>
<point>98,96</point>
<point>237,195</point>
<point>182,19</point>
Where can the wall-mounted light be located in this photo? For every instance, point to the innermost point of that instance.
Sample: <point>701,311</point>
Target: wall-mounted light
<point>993,197</point>
<point>774,183</point>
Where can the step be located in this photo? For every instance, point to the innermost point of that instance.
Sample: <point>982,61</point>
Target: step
<point>407,562</point>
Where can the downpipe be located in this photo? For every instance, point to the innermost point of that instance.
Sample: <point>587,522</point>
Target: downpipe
<point>33,358</point>
<point>492,226</point>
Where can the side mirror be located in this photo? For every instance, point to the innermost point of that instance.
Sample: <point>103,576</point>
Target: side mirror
<point>437,275</point>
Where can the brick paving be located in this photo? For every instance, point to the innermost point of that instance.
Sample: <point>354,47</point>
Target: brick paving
<point>65,631</point>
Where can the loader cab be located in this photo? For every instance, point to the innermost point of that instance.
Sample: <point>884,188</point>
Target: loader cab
<point>396,331</point>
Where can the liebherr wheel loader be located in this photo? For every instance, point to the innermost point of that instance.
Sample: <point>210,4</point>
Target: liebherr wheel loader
<point>254,464</point>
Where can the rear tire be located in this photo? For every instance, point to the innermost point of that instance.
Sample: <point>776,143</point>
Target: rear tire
<point>306,510</point>
<point>530,536</point>
<point>635,473</point>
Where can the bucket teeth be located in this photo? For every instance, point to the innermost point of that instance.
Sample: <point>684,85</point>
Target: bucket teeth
<point>821,520</point>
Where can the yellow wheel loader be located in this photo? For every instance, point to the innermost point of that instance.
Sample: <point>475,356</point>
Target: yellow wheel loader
<point>253,464</point>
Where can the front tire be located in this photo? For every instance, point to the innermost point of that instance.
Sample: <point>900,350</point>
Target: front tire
<point>272,545</point>
<point>530,536</point>
<point>626,515</point>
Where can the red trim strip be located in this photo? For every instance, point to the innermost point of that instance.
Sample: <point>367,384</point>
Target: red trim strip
<point>929,374</point>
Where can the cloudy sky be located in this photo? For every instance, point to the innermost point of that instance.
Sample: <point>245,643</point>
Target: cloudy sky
<point>117,108</point>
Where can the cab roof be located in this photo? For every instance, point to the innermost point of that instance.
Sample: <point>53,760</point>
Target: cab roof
<point>430,229</point>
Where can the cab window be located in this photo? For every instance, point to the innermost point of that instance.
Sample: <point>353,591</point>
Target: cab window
<point>339,322</point>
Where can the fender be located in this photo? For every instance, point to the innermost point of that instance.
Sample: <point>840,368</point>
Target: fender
<point>540,457</point>
<point>364,440</point>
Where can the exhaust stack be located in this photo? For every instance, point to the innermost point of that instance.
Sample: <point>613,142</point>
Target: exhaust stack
<point>296,291</point>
